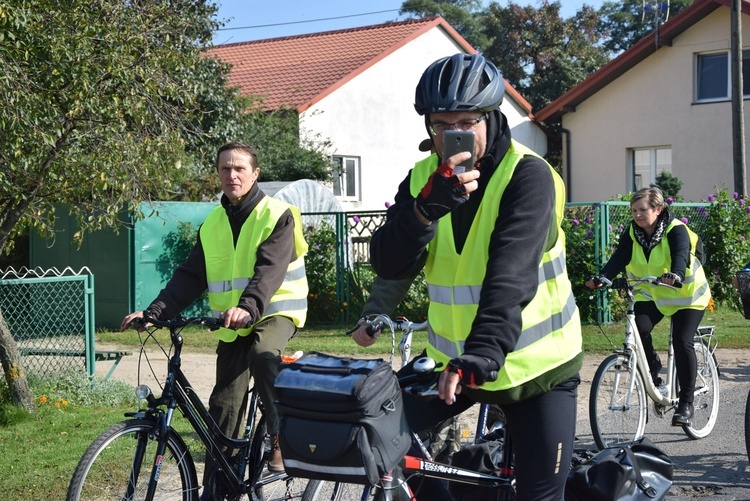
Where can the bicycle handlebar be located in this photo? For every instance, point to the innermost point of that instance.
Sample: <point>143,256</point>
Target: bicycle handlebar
<point>629,284</point>
<point>177,322</point>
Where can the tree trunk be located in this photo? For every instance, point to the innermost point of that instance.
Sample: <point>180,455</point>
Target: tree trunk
<point>20,393</point>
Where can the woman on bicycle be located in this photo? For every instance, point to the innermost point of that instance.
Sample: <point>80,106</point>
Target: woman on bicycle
<point>503,322</point>
<point>657,244</point>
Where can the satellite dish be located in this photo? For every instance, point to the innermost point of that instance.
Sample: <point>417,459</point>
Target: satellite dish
<point>308,195</point>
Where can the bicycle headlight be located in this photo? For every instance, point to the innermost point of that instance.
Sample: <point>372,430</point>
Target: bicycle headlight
<point>142,391</point>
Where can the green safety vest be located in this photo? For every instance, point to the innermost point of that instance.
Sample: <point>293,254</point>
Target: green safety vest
<point>228,276</point>
<point>551,328</point>
<point>694,294</point>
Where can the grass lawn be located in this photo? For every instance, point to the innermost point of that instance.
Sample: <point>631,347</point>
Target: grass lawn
<point>42,450</point>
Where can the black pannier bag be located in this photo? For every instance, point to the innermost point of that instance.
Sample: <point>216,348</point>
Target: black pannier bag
<point>341,418</point>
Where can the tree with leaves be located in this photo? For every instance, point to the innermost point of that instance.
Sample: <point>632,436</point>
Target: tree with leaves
<point>463,15</point>
<point>625,22</point>
<point>541,54</point>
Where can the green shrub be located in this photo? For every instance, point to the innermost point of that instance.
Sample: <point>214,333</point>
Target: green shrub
<point>725,240</point>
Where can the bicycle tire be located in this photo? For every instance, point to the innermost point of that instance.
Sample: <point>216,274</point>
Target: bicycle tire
<point>328,490</point>
<point>105,468</point>
<point>614,420</point>
<point>747,426</point>
<point>706,399</point>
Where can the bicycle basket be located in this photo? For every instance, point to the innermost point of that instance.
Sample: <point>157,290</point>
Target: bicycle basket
<point>743,285</point>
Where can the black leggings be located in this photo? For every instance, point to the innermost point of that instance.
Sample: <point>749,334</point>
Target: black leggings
<point>542,429</point>
<point>684,325</point>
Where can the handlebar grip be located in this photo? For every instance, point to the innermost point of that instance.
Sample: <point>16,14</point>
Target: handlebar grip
<point>374,327</point>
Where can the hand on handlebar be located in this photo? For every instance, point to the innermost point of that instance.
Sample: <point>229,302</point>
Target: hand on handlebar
<point>672,279</point>
<point>134,320</point>
<point>467,370</point>
<point>363,334</point>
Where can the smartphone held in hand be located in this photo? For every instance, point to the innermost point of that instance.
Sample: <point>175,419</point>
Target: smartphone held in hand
<point>456,141</point>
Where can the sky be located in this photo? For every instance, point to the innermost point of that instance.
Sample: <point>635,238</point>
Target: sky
<point>252,20</point>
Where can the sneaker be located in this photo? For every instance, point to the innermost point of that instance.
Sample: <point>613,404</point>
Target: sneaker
<point>275,461</point>
<point>683,414</point>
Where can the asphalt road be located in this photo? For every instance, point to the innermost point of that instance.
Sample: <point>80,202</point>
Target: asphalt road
<point>716,466</point>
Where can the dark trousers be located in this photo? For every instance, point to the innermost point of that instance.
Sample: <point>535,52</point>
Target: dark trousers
<point>257,355</point>
<point>542,430</point>
<point>684,325</point>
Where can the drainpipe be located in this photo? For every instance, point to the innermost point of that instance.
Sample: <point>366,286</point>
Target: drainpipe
<point>566,163</point>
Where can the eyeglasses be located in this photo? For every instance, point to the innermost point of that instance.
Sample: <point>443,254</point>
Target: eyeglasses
<point>465,125</point>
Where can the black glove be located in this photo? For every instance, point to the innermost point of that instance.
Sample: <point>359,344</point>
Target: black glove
<point>672,276</point>
<point>442,193</point>
<point>473,369</point>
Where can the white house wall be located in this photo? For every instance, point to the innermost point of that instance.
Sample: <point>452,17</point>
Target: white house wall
<point>652,106</point>
<point>372,117</point>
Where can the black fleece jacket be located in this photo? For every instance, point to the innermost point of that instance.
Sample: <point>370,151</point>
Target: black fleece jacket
<point>273,257</point>
<point>398,248</point>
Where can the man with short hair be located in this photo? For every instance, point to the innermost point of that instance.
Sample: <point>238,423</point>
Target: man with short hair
<point>250,257</point>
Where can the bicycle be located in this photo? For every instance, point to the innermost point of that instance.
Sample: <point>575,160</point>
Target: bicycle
<point>618,408</point>
<point>145,458</point>
<point>422,384</point>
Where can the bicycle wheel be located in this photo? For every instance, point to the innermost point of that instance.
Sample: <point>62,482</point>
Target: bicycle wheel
<point>327,490</point>
<point>747,426</point>
<point>706,399</point>
<point>117,465</point>
<point>616,413</point>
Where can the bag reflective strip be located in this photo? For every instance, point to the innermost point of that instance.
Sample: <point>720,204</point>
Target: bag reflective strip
<point>358,471</point>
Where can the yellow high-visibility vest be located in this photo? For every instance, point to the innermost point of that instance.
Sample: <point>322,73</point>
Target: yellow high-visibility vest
<point>230,269</point>
<point>551,328</point>
<point>694,294</point>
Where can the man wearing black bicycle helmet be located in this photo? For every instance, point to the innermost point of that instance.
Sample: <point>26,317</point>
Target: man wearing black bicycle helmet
<point>502,316</point>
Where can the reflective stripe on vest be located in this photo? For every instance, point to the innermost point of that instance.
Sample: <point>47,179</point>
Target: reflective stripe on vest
<point>228,277</point>
<point>550,331</point>
<point>695,292</point>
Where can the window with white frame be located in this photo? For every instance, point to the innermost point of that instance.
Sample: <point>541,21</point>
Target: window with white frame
<point>713,76</point>
<point>346,177</point>
<point>646,164</point>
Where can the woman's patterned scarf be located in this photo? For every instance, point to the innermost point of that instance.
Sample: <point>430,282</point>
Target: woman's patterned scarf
<point>661,228</point>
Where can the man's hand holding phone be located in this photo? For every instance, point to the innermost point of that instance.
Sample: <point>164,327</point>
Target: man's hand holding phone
<point>446,190</point>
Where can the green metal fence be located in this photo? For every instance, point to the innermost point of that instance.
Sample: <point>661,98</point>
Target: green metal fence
<point>592,231</point>
<point>51,316</point>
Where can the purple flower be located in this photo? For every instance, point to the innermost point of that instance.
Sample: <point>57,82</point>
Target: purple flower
<point>590,234</point>
<point>742,239</point>
<point>588,220</point>
<point>736,195</point>
<point>712,198</point>
<point>387,205</point>
<point>741,201</point>
<point>748,209</point>
<point>355,219</point>
<point>684,220</point>
<point>576,222</point>
<point>670,200</point>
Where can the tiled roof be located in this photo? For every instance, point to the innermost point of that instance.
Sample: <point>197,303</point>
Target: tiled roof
<point>631,57</point>
<point>300,70</point>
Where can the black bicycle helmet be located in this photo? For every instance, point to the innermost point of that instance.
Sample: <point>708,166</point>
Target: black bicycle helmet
<point>462,82</point>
